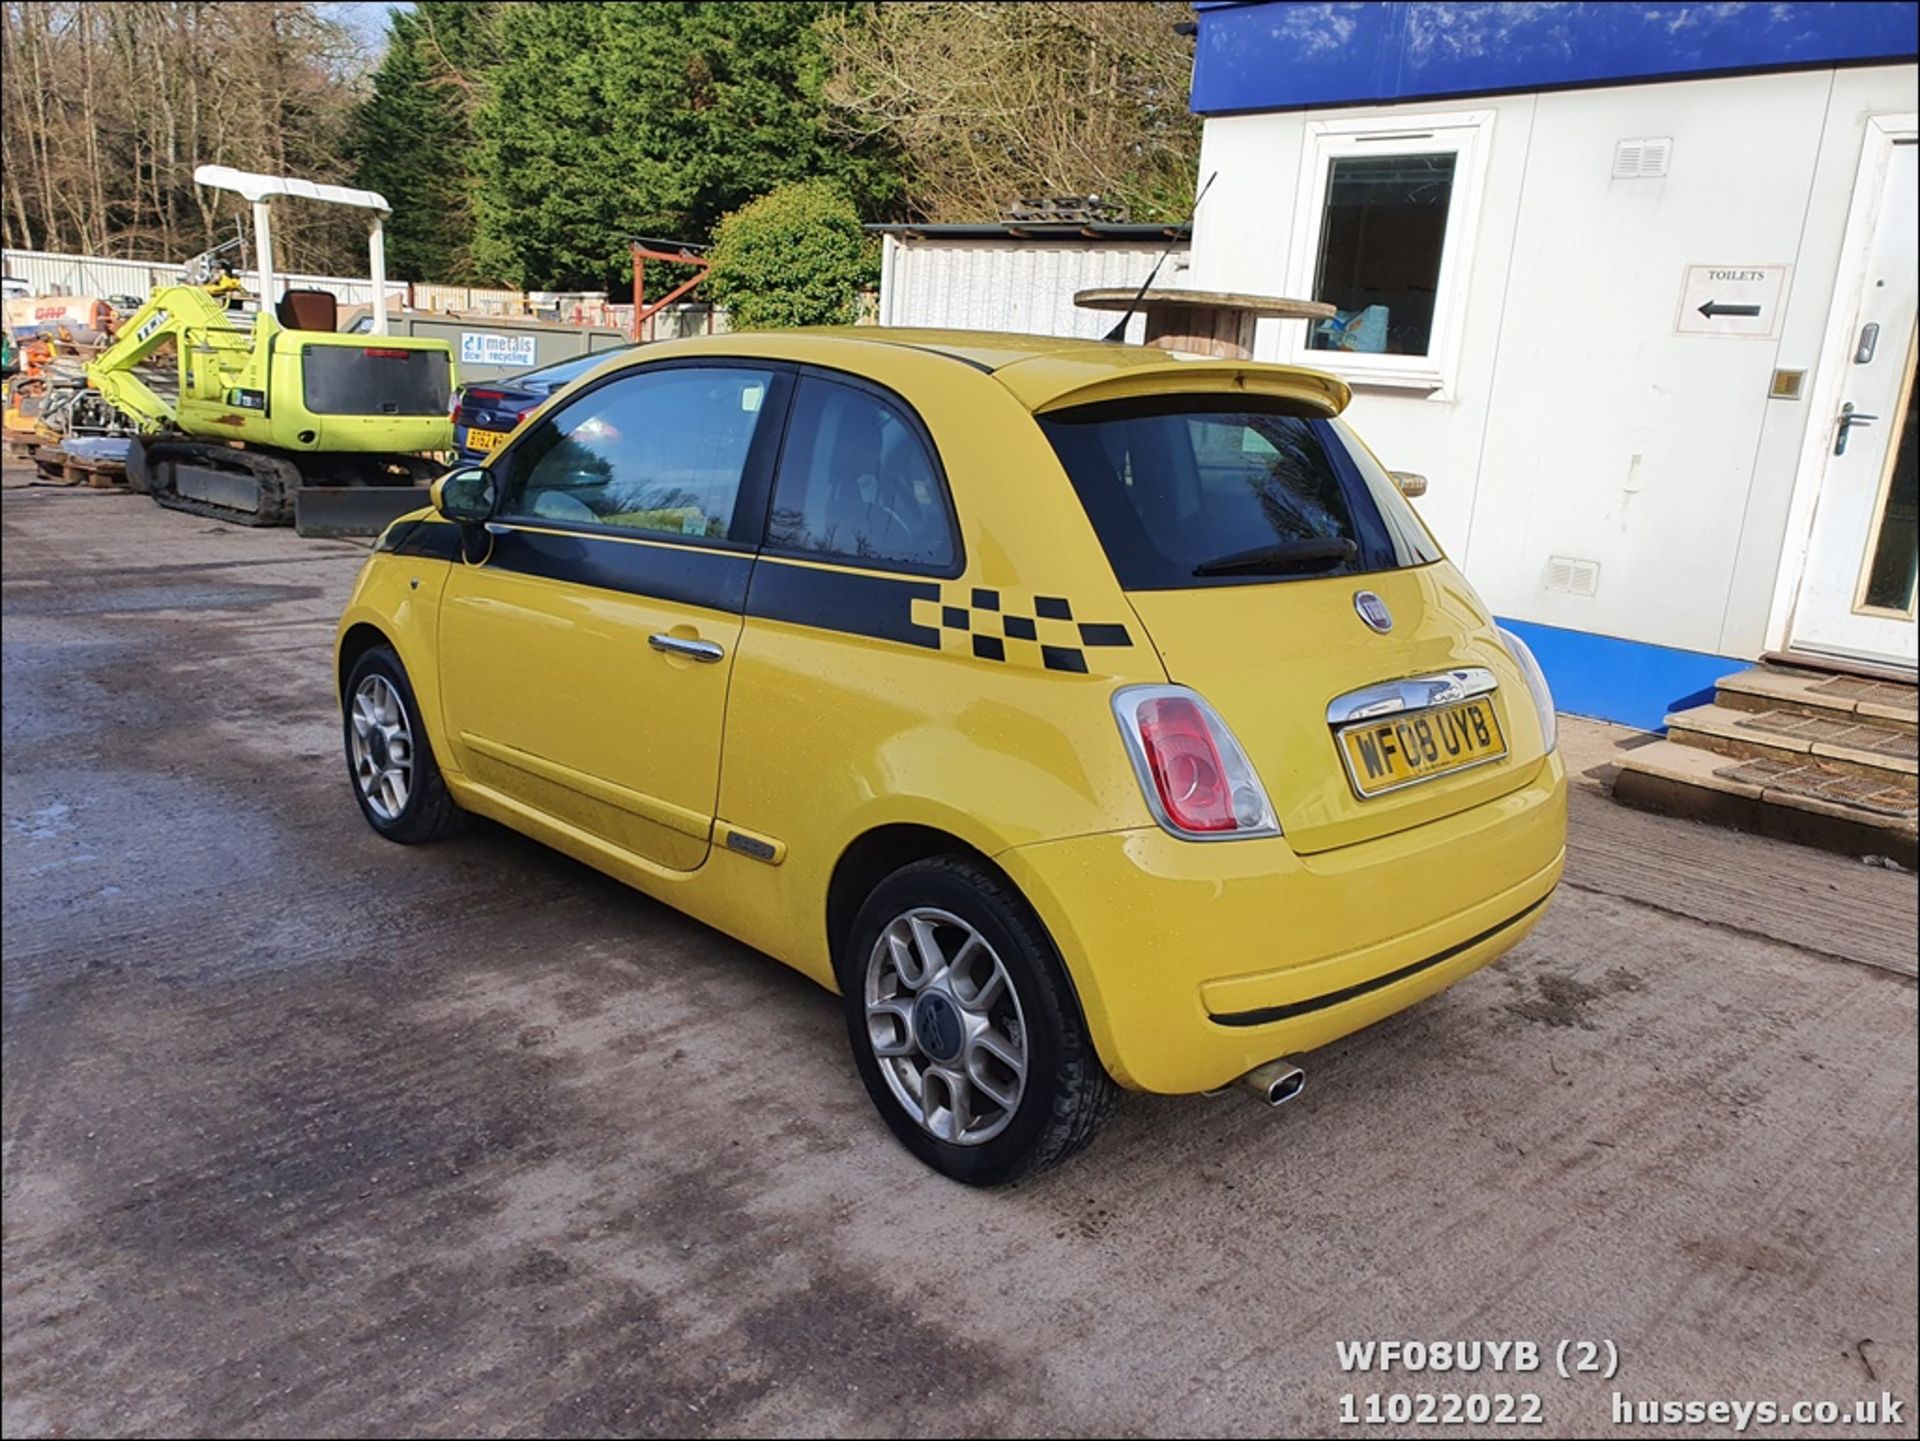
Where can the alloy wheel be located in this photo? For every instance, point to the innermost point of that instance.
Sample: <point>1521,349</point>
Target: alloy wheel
<point>382,747</point>
<point>946,1026</point>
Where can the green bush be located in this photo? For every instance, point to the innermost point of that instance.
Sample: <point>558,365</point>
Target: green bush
<point>795,256</point>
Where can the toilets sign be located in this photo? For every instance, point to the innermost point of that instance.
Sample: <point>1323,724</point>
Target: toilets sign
<point>1732,300</point>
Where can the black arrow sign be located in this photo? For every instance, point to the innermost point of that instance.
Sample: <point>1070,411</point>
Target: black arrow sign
<point>1714,307</point>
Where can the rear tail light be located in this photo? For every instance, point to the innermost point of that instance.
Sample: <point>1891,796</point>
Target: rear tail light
<point>1197,781</point>
<point>1537,686</point>
<point>377,353</point>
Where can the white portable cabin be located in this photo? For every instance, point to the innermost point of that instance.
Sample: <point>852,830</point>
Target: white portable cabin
<point>1632,285</point>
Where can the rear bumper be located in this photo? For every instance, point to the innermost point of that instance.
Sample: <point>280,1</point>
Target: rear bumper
<point>1196,963</point>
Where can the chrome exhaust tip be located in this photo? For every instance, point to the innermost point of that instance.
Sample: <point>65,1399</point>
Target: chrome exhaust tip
<point>1276,1083</point>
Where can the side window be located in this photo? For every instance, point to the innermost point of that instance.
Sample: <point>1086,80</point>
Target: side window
<point>658,453</point>
<point>1383,231</point>
<point>856,481</point>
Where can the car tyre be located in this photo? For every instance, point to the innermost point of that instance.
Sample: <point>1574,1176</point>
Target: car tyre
<point>390,761</point>
<point>982,927</point>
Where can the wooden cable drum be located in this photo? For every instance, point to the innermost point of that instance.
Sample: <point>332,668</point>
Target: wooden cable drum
<point>1202,322</point>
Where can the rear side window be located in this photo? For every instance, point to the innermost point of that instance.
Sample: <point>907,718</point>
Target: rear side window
<point>658,452</point>
<point>858,483</point>
<point>1190,491</point>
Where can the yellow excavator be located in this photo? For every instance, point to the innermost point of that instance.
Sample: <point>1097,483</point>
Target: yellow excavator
<point>278,416</point>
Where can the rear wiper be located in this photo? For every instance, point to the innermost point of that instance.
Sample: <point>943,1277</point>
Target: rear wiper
<point>1319,554</point>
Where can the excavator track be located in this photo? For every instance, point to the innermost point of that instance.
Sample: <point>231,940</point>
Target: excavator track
<point>245,487</point>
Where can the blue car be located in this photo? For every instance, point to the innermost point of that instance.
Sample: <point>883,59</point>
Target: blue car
<point>486,412</point>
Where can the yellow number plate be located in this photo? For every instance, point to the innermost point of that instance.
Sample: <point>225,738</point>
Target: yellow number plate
<point>485,439</point>
<point>1400,750</point>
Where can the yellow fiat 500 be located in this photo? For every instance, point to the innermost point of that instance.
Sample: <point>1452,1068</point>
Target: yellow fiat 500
<point>1085,715</point>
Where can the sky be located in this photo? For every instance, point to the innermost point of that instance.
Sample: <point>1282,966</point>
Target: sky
<point>368,18</point>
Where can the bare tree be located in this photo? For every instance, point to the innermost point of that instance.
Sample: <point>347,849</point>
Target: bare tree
<point>107,107</point>
<point>989,102</point>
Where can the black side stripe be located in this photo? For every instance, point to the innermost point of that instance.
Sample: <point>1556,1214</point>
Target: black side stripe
<point>431,539</point>
<point>870,605</point>
<point>1266,1015</point>
<point>392,537</point>
<point>678,574</point>
<point>876,606</point>
<point>686,575</point>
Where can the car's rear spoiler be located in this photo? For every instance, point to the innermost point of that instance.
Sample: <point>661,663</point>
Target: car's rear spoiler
<point>1047,384</point>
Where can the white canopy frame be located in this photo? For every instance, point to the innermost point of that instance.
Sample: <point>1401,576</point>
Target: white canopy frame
<point>262,190</point>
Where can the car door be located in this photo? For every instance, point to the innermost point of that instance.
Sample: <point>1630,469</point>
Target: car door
<point>585,654</point>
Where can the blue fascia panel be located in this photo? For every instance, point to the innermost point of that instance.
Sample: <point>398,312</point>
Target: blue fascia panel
<point>1628,682</point>
<point>1292,55</point>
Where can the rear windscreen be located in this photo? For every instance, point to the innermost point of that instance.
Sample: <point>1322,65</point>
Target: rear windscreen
<point>375,380</point>
<point>1192,491</point>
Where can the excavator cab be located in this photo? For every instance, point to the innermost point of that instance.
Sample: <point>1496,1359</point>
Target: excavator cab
<point>277,415</point>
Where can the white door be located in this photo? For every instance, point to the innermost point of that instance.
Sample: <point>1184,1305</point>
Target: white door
<point>1857,594</point>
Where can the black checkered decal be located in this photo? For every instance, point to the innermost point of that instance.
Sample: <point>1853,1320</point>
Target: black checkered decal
<point>1036,631</point>
<point>980,623</point>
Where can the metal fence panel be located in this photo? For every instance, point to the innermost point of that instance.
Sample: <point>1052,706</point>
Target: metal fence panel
<point>477,300</point>
<point>48,273</point>
<point>1014,286</point>
<point>51,273</point>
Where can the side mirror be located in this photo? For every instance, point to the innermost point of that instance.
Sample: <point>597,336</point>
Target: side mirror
<point>1410,483</point>
<point>464,495</point>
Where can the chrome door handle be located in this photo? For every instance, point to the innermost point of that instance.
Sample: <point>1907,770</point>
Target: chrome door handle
<point>702,650</point>
<point>1849,417</point>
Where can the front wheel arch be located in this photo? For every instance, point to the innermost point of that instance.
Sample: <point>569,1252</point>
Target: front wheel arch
<point>360,638</point>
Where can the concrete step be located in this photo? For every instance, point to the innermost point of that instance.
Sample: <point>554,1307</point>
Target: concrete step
<point>1839,665</point>
<point>1789,796</point>
<point>1819,693</point>
<point>1851,744</point>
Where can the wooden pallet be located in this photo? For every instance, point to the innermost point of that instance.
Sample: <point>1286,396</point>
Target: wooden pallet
<point>57,467</point>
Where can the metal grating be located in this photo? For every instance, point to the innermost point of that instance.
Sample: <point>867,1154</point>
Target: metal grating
<point>1644,159</point>
<point>1569,576</point>
<point>1818,730</point>
<point>1902,802</point>
<point>1855,688</point>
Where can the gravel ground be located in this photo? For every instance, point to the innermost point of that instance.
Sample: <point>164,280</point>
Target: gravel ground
<point>305,1132</point>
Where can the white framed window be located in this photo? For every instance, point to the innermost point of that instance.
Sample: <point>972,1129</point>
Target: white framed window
<point>1383,230</point>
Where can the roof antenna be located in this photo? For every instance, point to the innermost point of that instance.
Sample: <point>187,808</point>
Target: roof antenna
<point>1119,331</point>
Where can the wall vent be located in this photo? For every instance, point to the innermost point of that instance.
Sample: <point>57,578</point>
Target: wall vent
<point>1642,159</point>
<point>1567,576</point>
